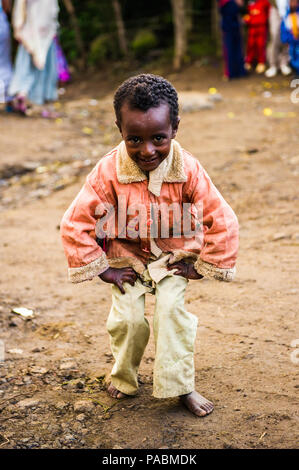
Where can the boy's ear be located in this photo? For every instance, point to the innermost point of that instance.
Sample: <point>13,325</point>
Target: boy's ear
<point>175,129</point>
<point>118,125</point>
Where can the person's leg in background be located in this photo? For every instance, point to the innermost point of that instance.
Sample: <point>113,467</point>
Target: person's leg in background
<point>250,50</point>
<point>238,62</point>
<point>274,43</point>
<point>277,53</point>
<point>233,55</point>
<point>261,43</point>
<point>284,60</point>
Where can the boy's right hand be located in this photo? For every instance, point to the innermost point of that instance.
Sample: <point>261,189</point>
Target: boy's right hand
<point>118,276</point>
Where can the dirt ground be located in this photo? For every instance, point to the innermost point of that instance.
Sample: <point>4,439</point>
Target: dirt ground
<point>52,392</point>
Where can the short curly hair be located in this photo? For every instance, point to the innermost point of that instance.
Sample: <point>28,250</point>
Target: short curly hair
<point>147,91</point>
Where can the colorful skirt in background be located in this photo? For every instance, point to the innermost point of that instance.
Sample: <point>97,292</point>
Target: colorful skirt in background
<point>63,69</point>
<point>39,86</point>
<point>5,61</point>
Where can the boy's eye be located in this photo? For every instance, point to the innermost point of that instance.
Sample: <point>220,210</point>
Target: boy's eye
<point>158,138</point>
<point>134,140</point>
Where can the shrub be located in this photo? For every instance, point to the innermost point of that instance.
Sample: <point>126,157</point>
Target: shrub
<point>144,41</point>
<point>98,51</point>
<point>201,47</point>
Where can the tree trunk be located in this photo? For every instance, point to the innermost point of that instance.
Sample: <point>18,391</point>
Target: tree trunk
<point>180,36</point>
<point>120,27</point>
<point>71,10</point>
<point>215,26</point>
<point>188,16</point>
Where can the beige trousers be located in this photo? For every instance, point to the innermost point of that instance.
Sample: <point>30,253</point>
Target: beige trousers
<point>174,334</point>
<point>277,53</point>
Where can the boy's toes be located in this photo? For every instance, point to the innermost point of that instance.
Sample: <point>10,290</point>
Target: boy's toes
<point>114,393</point>
<point>198,411</point>
<point>197,404</point>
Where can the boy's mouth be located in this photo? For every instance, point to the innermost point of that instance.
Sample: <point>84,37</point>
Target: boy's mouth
<point>148,161</point>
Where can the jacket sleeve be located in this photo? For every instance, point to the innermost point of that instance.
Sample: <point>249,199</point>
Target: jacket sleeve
<point>85,257</point>
<point>220,229</point>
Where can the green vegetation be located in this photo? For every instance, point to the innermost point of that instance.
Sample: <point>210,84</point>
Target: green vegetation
<point>144,41</point>
<point>148,30</point>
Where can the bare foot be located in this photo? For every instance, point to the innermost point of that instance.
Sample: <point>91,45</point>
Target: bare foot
<point>114,393</point>
<point>197,404</point>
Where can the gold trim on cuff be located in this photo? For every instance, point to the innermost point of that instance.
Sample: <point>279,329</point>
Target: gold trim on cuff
<point>212,272</point>
<point>89,271</point>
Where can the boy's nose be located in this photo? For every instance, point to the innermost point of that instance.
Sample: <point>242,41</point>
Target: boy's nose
<point>147,150</point>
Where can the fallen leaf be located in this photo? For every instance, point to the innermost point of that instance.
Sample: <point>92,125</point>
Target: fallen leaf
<point>93,102</point>
<point>24,312</point>
<point>38,370</point>
<point>87,130</point>
<point>267,85</point>
<point>15,351</point>
<point>268,112</point>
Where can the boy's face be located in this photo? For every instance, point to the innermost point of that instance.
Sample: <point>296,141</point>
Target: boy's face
<point>147,135</point>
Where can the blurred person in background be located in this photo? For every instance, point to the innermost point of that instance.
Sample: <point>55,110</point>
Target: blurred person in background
<point>290,33</point>
<point>257,20</point>
<point>277,53</point>
<point>232,40</point>
<point>5,60</point>
<point>35,77</point>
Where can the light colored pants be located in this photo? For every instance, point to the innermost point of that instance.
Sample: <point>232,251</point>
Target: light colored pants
<point>174,333</point>
<point>277,53</point>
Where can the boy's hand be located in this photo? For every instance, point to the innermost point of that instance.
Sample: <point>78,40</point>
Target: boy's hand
<point>118,276</point>
<point>186,270</point>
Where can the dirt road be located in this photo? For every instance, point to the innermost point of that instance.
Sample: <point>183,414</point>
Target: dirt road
<point>52,377</point>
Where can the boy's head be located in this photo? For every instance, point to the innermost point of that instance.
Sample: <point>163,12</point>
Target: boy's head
<point>146,91</point>
<point>146,109</point>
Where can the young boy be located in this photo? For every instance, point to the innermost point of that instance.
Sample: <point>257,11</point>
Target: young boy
<point>160,221</point>
<point>257,21</point>
<point>290,33</point>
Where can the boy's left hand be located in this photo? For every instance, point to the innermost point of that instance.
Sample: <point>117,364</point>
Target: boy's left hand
<point>186,270</point>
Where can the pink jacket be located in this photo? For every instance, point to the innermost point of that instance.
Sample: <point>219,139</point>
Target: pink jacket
<point>116,200</point>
